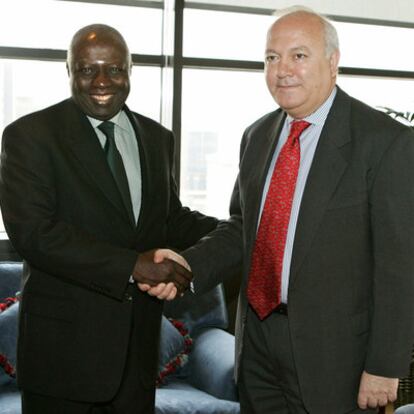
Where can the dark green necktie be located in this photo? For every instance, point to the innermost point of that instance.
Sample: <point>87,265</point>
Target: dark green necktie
<point>116,165</point>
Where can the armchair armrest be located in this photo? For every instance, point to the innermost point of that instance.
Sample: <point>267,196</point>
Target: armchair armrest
<point>212,364</point>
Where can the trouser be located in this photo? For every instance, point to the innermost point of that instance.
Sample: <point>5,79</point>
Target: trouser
<point>268,382</point>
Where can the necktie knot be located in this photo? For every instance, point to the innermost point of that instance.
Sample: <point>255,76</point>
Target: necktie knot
<point>116,165</point>
<point>296,128</point>
<point>108,128</point>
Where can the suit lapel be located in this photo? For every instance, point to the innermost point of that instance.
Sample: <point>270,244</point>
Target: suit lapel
<point>84,145</point>
<point>327,168</point>
<point>262,154</point>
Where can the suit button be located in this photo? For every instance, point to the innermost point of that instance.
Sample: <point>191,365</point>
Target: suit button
<point>128,297</point>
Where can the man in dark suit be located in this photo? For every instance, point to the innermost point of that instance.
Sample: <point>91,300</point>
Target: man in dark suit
<point>325,317</point>
<point>84,202</point>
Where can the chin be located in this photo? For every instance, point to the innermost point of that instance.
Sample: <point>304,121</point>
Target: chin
<point>102,115</point>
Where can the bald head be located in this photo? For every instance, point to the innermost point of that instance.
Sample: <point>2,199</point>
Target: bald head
<point>97,34</point>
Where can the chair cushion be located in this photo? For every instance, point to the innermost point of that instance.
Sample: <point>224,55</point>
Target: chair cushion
<point>405,409</point>
<point>10,277</point>
<point>180,397</point>
<point>211,364</point>
<point>8,338</point>
<point>200,311</point>
<point>10,402</point>
<point>175,345</point>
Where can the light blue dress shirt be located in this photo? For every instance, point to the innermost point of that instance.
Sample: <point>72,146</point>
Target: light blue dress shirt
<point>308,143</point>
<point>127,146</point>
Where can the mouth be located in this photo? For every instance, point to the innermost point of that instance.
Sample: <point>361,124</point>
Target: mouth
<point>286,86</point>
<point>101,99</point>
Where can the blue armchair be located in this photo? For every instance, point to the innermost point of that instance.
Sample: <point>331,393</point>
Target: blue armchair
<point>405,409</point>
<point>203,385</point>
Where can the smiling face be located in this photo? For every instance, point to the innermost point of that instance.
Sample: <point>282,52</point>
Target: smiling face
<point>298,73</point>
<point>99,66</point>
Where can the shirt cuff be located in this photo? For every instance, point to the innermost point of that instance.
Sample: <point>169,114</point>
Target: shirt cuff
<point>131,279</point>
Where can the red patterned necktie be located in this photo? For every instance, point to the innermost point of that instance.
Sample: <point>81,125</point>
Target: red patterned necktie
<point>264,285</point>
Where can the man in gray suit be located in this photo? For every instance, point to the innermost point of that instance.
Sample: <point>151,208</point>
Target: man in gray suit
<point>332,224</point>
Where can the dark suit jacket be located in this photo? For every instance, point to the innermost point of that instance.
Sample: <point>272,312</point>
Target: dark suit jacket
<point>351,289</point>
<point>65,217</point>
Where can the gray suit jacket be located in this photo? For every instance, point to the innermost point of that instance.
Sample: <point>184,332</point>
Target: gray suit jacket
<point>351,286</point>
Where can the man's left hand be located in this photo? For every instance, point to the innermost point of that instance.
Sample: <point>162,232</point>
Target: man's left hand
<point>375,391</point>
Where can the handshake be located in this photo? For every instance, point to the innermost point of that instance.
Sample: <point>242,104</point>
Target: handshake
<point>162,273</point>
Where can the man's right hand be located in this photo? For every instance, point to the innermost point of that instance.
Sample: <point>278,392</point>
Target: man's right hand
<point>152,274</point>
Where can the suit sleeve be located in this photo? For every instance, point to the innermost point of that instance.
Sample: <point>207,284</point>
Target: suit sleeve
<point>392,223</point>
<point>29,202</point>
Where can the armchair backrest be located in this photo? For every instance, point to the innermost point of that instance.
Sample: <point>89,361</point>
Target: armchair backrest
<point>200,311</point>
<point>10,278</point>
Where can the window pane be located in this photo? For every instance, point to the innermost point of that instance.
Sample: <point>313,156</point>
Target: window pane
<point>397,94</point>
<point>27,86</point>
<point>235,35</point>
<point>379,47</point>
<point>141,26</point>
<point>242,36</point>
<point>217,107</point>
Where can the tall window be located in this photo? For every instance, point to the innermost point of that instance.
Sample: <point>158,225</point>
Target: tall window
<point>29,82</point>
<point>219,104</point>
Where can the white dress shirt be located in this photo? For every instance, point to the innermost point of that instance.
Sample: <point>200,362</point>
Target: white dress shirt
<point>308,143</point>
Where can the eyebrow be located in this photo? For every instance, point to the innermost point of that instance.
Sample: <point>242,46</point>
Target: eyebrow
<point>294,49</point>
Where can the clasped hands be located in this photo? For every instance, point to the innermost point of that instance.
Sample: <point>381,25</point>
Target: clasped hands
<point>162,273</point>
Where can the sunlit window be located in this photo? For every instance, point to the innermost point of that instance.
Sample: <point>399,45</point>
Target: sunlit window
<point>27,86</point>
<point>50,24</point>
<point>217,107</point>
<point>377,47</point>
<point>224,35</point>
<point>381,92</point>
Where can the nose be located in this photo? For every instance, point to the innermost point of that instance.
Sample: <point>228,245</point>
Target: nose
<point>101,79</point>
<point>284,68</point>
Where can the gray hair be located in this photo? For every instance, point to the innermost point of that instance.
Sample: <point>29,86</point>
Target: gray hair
<point>331,35</point>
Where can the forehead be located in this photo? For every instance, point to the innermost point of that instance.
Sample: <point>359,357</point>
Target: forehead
<point>296,31</point>
<point>103,48</point>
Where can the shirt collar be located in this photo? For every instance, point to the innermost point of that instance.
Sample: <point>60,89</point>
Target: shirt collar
<point>319,116</point>
<point>120,120</point>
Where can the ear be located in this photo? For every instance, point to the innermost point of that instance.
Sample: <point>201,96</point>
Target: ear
<point>334,62</point>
